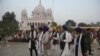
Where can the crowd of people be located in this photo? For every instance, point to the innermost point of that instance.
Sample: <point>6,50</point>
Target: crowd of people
<point>56,41</point>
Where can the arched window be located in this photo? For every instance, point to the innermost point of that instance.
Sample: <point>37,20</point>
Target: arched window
<point>35,24</point>
<point>50,15</point>
<point>20,25</point>
<point>48,23</point>
<point>22,21</point>
<point>28,24</point>
<point>41,24</point>
<point>38,24</point>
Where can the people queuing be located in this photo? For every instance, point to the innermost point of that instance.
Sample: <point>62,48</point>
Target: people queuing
<point>46,41</point>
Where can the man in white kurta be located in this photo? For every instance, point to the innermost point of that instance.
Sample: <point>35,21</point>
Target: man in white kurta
<point>66,51</point>
<point>46,43</point>
<point>77,45</point>
<point>40,45</point>
<point>32,42</point>
<point>80,48</point>
<point>56,45</point>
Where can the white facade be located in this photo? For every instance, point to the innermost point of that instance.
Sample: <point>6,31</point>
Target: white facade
<point>40,16</point>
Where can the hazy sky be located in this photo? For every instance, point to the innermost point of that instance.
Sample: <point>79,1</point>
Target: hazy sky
<point>77,10</point>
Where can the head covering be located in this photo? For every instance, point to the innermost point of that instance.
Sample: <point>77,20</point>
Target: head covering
<point>40,28</point>
<point>45,28</point>
<point>32,27</point>
<point>54,29</point>
<point>79,30</point>
<point>65,27</point>
<point>99,29</point>
<point>88,29</point>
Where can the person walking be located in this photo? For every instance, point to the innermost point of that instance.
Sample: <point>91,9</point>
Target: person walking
<point>80,46</point>
<point>89,38</point>
<point>39,39</point>
<point>98,37</point>
<point>56,42</point>
<point>32,41</point>
<point>46,41</point>
<point>65,42</point>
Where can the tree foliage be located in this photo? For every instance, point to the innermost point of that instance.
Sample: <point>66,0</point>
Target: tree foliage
<point>82,24</point>
<point>9,23</point>
<point>97,23</point>
<point>0,25</point>
<point>70,23</point>
<point>53,24</point>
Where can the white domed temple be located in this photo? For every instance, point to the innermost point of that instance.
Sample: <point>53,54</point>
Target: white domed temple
<point>40,16</point>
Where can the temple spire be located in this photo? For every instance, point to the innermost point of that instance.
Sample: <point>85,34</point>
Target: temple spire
<point>40,2</point>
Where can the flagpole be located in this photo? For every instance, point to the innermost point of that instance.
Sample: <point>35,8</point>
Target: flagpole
<point>53,10</point>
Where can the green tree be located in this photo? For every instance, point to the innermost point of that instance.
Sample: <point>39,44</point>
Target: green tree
<point>9,23</point>
<point>70,23</point>
<point>0,25</point>
<point>92,24</point>
<point>97,23</point>
<point>53,24</point>
<point>82,24</point>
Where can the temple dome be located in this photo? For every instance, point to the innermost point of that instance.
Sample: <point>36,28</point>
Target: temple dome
<point>24,11</point>
<point>49,10</point>
<point>39,8</point>
<point>24,14</point>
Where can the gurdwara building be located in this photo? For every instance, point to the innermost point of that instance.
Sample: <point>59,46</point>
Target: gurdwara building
<point>40,16</point>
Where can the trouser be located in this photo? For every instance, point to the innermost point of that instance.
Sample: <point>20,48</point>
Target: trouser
<point>40,49</point>
<point>62,46</point>
<point>66,51</point>
<point>84,52</point>
<point>89,48</point>
<point>31,52</point>
<point>56,50</point>
<point>45,52</point>
<point>99,42</point>
<point>62,49</point>
<point>76,50</point>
